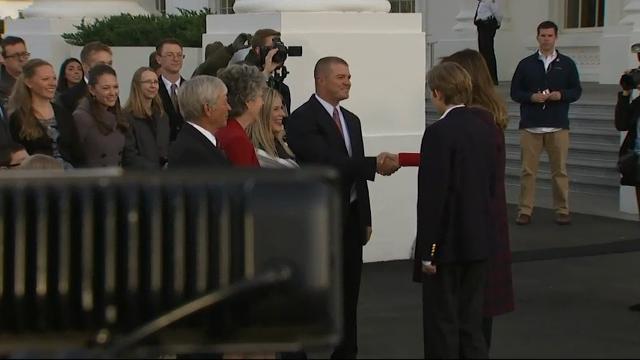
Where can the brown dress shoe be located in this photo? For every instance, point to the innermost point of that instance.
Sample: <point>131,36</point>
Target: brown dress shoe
<point>563,219</point>
<point>523,219</point>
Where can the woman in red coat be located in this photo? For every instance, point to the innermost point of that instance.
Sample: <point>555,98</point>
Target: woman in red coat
<point>245,85</point>
<point>499,298</point>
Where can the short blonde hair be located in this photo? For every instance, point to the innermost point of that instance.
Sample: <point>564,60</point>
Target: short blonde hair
<point>453,82</point>
<point>195,93</point>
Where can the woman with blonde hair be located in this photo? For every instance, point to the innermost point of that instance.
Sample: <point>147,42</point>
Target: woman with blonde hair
<point>147,140</point>
<point>267,134</point>
<point>37,123</point>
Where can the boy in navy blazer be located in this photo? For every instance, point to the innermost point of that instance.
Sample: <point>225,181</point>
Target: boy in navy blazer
<point>456,185</point>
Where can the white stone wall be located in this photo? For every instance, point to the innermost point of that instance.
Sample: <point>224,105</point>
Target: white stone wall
<point>386,57</point>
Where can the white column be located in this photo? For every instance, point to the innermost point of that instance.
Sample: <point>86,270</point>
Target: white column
<point>11,8</point>
<point>82,8</point>
<point>464,19</point>
<point>265,6</point>
<point>631,14</point>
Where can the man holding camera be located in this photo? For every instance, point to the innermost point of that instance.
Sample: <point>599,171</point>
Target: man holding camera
<point>544,84</point>
<point>264,55</point>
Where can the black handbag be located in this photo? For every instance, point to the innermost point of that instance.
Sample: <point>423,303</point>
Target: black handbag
<point>629,164</point>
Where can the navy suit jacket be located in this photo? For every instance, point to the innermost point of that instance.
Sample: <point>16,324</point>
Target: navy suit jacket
<point>175,118</point>
<point>456,190</point>
<point>314,138</point>
<point>193,150</point>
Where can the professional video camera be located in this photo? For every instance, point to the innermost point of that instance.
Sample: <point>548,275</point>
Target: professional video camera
<point>631,79</point>
<point>283,51</point>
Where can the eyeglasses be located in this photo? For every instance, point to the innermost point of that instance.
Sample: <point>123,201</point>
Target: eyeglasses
<point>23,55</point>
<point>150,82</point>
<point>10,166</point>
<point>174,56</point>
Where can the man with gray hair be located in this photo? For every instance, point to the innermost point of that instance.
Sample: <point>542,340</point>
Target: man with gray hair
<point>204,107</point>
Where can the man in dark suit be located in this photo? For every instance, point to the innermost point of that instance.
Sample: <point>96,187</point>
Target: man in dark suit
<point>92,54</point>
<point>324,133</point>
<point>15,56</point>
<point>203,102</point>
<point>456,225</point>
<point>170,56</point>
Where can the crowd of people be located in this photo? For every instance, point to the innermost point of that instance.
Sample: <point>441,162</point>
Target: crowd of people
<point>227,116</point>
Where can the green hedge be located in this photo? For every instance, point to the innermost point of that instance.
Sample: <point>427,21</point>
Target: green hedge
<point>142,30</point>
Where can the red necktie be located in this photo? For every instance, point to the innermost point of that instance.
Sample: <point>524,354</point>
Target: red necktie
<point>336,118</point>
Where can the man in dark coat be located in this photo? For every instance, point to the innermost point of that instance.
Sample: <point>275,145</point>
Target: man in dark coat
<point>170,56</point>
<point>195,145</point>
<point>545,84</point>
<point>322,132</point>
<point>15,55</point>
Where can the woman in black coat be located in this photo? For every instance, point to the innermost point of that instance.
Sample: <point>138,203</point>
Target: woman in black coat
<point>626,119</point>
<point>41,126</point>
<point>147,141</point>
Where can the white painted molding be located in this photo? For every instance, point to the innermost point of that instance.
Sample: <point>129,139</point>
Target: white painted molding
<point>82,8</point>
<point>270,6</point>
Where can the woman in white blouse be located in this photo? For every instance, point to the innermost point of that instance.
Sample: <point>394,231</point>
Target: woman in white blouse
<point>267,134</point>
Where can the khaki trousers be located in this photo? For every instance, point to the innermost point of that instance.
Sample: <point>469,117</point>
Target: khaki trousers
<point>556,144</point>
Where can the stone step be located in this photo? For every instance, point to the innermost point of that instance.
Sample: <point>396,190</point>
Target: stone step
<point>577,175</point>
<point>587,162</point>
<point>580,135</point>
<point>544,182</point>
<point>579,147</point>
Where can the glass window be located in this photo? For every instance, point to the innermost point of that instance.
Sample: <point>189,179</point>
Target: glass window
<point>584,13</point>
<point>161,5</point>
<point>403,6</point>
<point>225,6</point>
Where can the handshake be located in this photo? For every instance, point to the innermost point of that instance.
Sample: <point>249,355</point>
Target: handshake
<point>387,163</point>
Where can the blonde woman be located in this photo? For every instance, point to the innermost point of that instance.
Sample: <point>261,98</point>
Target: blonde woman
<point>147,141</point>
<point>35,121</point>
<point>267,134</point>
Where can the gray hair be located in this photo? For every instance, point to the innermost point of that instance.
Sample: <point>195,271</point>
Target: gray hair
<point>195,93</point>
<point>245,83</point>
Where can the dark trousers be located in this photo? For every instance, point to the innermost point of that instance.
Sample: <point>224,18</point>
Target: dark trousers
<point>487,330</point>
<point>352,240</point>
<point>486,35</point>
<point>452,301</point>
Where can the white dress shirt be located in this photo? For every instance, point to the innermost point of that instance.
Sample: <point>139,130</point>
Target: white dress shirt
<point>343,124</point>
<point>449,110</point>
<point>488,9</point>
<point>167,83</point>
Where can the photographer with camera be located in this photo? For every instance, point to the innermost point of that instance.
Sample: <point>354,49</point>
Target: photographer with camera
<point>626,119</point>
<point>269,54</point>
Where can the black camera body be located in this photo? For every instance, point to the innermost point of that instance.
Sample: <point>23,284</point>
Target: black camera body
<point>630,80</point>
<point>283,51</point>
